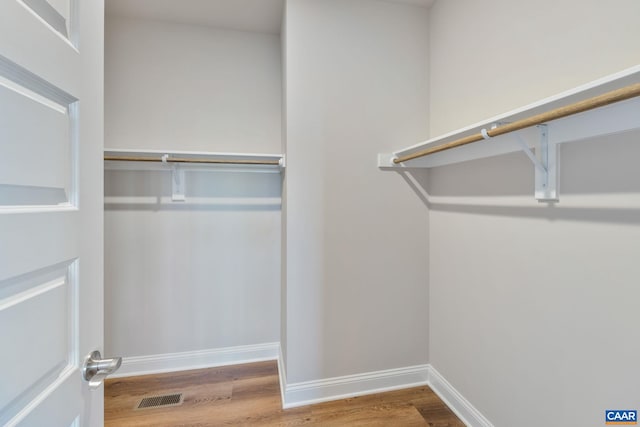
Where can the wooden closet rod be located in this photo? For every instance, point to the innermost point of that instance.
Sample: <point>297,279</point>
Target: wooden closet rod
<point>588,104</point>
<point>192,160</point>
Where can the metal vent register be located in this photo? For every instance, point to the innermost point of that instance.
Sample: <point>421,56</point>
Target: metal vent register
<point>160,401</point>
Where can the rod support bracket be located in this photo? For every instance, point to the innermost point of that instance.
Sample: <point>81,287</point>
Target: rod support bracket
<point>545,160</point>
<point>177,183</point>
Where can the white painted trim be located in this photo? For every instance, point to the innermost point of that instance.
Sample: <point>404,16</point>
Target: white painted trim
<point>282,374</point>
<point>311,392</point>
<point>467,413</point>
<point>159,363</point>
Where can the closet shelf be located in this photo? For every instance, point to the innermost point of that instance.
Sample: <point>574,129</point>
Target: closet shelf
<point>179,162</point>
<point>132,159</point>
<point>571,116</point>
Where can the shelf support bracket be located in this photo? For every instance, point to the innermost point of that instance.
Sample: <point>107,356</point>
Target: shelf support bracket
<point>177,183</point>
<point>545,160</point>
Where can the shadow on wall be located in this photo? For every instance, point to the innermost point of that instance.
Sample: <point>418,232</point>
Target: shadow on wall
<point>599,182</point>
<point>206,191</point>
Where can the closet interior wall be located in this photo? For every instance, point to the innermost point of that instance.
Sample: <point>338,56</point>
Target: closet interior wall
<point>202,274</point>
<point>356,239</point>
<point>534,307</point>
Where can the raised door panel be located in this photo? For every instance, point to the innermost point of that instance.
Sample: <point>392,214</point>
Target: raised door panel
<point>30,41</point>
<point>37,166</point>
<point>44,348</point>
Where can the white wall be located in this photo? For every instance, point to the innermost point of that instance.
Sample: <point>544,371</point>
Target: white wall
<point>192,87</point>
<point>203,274</point>
<point>491,57</point>
<point>533,307</point>
<point>356,238</point>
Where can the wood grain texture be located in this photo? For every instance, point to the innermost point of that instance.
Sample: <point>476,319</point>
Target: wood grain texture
<point>249,395</point>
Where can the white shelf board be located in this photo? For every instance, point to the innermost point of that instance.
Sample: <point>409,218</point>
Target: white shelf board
<point>196,167</point>
<point>614,118</point>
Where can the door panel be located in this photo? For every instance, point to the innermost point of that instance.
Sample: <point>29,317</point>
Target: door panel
<point>40,303</point>
<point>29,41</point>
<point>51,196</point>
<point>37,164</point>
<point>31,242</point>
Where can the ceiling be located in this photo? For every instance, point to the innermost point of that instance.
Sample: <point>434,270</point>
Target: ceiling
<point>263,16</point>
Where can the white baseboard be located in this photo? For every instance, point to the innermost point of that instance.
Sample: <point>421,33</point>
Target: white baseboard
<point>467,413</point>
<point>159,363</point>
<point>310,392</point>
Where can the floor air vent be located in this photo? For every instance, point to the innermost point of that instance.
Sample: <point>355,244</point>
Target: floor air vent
<point>160,401</point>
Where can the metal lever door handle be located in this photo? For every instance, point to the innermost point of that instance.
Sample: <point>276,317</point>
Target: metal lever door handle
<point>96,369</point>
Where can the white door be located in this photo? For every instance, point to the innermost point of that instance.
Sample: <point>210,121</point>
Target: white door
<point>51,210</point>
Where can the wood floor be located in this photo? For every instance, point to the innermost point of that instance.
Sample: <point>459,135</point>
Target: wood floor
<point>249,395</point>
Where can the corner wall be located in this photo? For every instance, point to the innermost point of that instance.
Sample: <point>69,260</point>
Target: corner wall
<point>356,238</point>
<point>533,313</point>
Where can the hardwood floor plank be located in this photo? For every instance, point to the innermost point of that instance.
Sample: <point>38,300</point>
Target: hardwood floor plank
<point>249,395</point>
